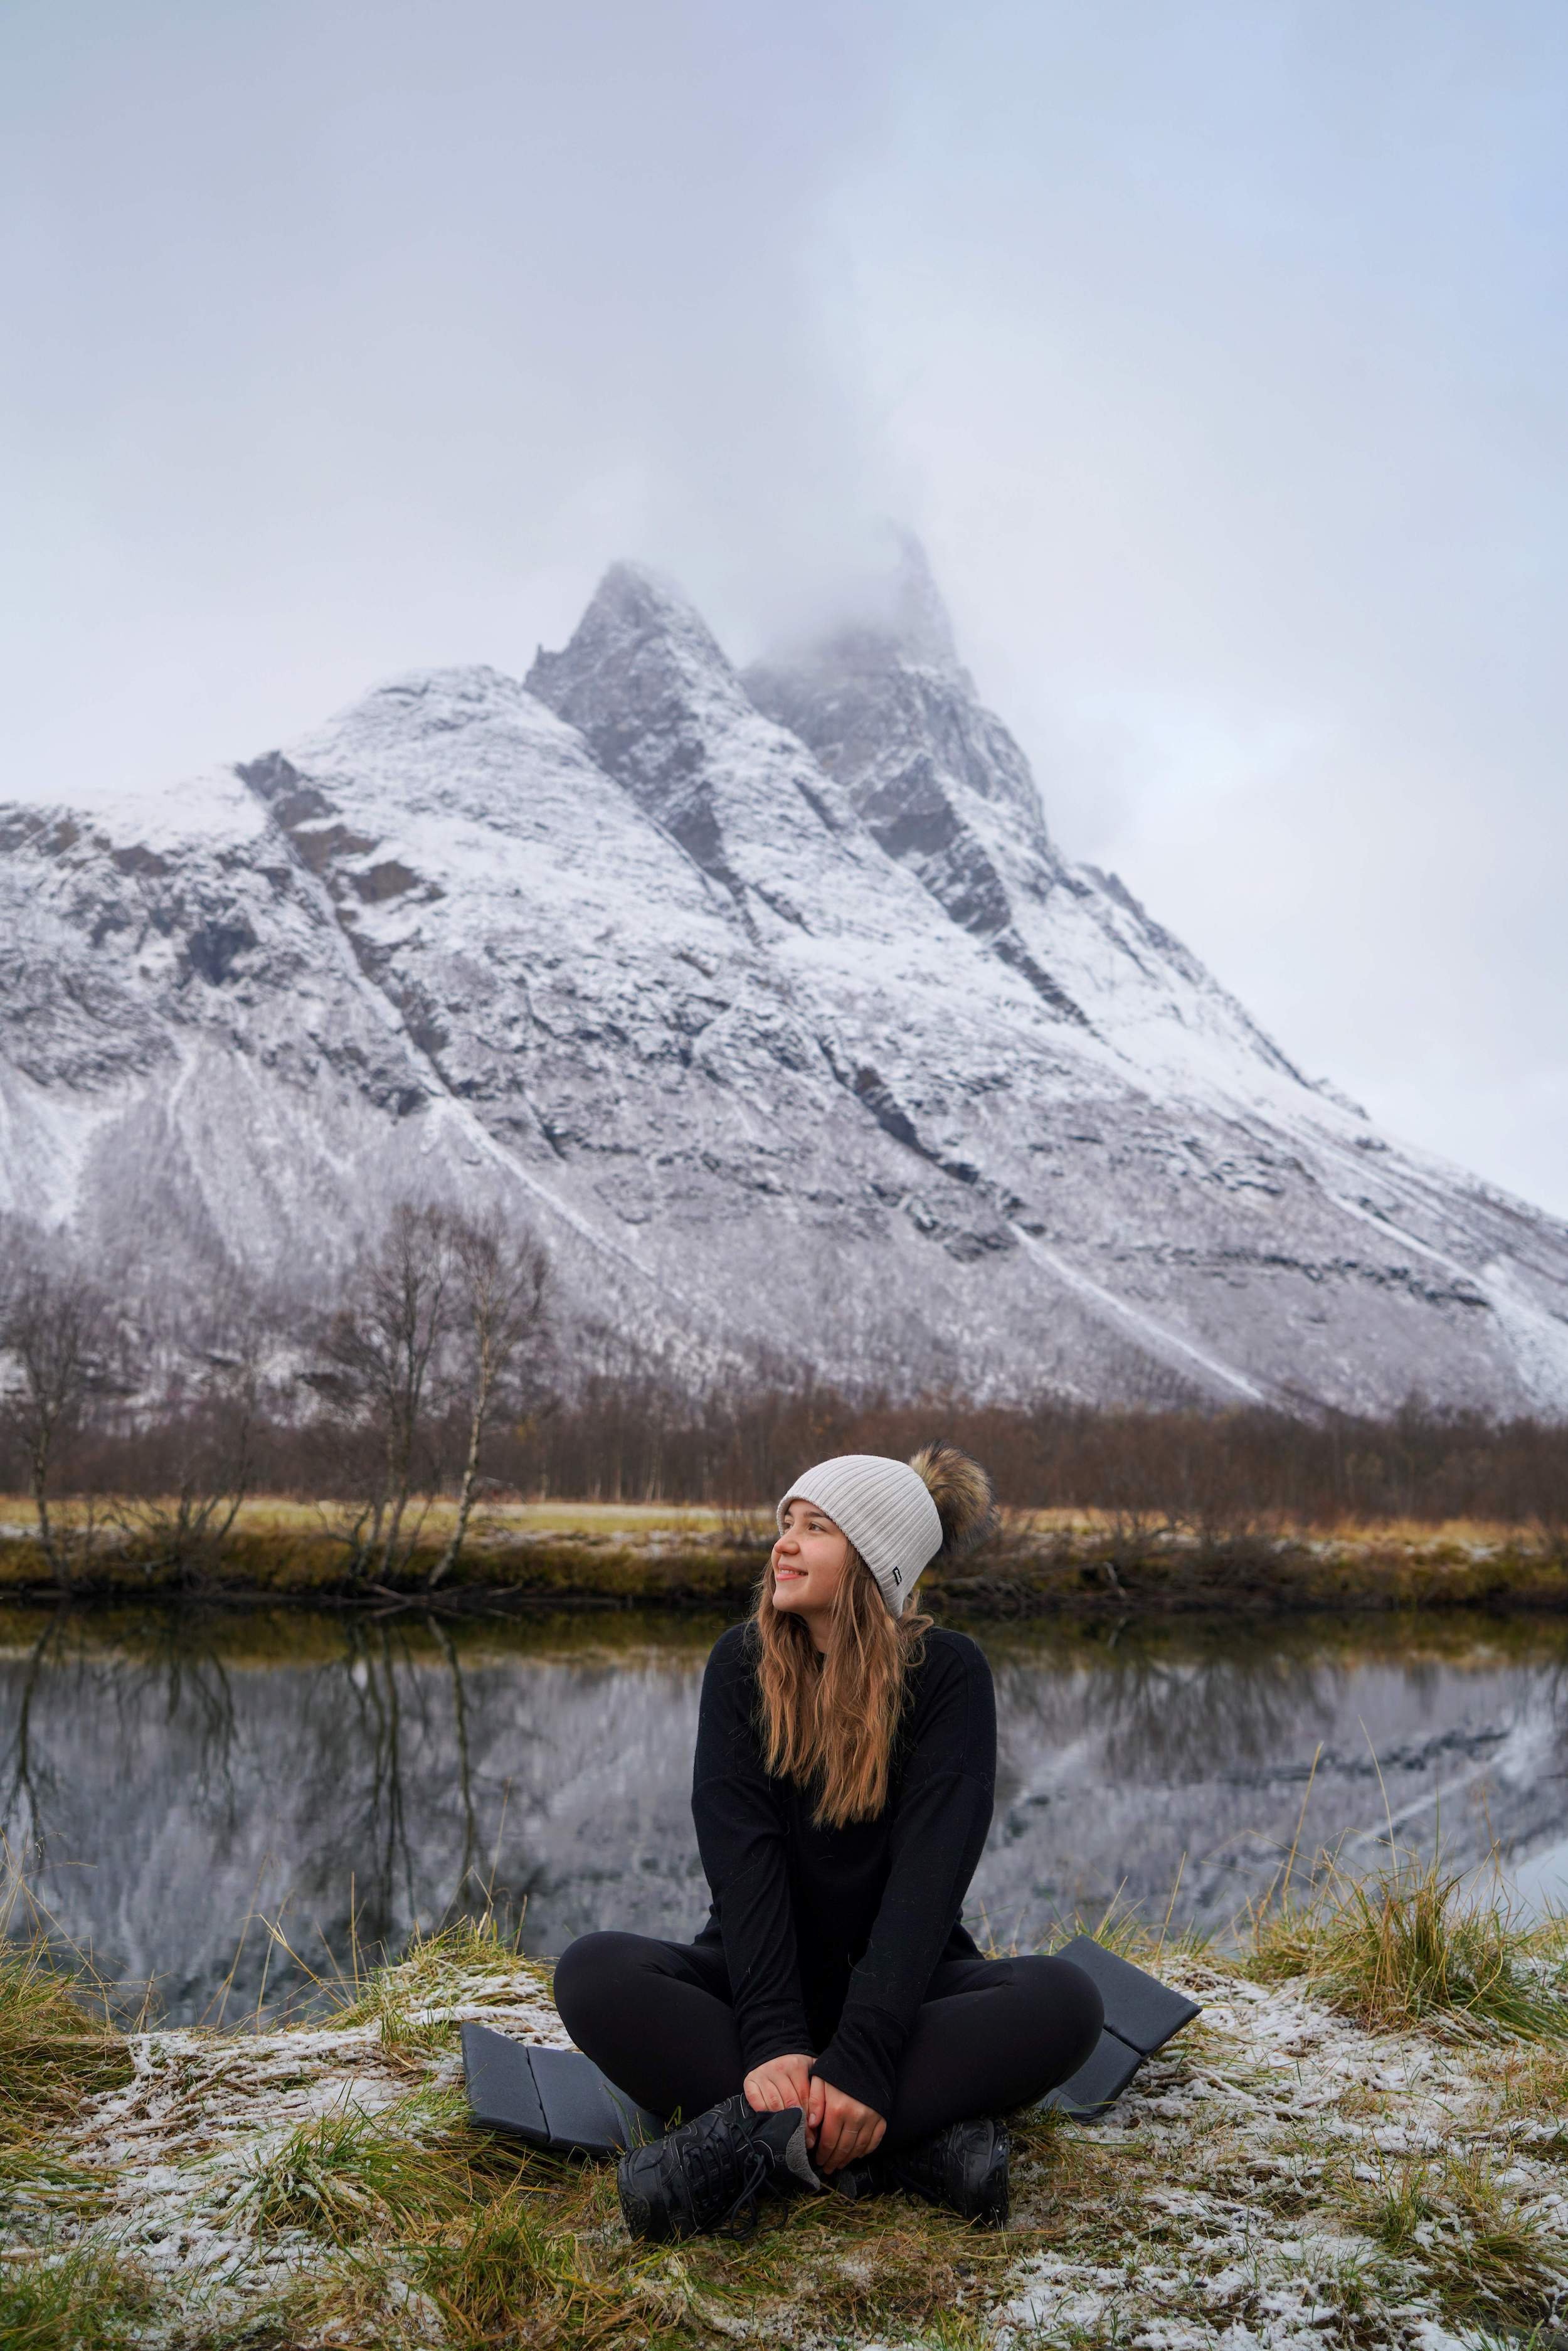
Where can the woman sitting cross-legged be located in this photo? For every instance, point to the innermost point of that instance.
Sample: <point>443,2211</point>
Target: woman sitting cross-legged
<point>833,2016</point>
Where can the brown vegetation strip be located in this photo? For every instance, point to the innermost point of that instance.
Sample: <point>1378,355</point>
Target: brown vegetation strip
<point>1082,1563</point>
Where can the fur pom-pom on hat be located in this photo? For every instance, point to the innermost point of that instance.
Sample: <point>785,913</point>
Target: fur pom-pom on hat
<point>962,1493</point>
<point>901,1515</point>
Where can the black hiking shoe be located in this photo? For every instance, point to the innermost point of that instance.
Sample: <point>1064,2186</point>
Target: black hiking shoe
<point>709,2173</point>
<point>964,2167</point>
<point>867,2175</point>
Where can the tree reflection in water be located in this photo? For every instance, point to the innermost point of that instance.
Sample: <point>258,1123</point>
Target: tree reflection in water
<point>1163,1717</point>
<point>1205,1747</point>
<point>168,1775</point>
<point>24,1830</point>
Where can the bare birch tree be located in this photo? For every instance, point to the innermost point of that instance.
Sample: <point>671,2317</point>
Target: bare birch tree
<point>383,1348</point>
<point>54,1334</point>
<point>499,1285</point>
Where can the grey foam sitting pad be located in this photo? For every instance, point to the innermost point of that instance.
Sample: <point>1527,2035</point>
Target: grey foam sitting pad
<point>1141,2015</point>
<point>1098,2084</point>
<point>1139,2009</point>
<point>555,2098</point>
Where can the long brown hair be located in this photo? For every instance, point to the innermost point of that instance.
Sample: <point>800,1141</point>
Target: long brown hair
<point>830,1722</point>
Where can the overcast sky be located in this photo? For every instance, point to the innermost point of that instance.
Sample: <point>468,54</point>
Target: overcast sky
<point>1217,352</point>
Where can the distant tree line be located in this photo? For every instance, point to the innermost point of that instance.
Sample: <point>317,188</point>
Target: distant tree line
<point>1215,1473</point>
<point>434,1371</point>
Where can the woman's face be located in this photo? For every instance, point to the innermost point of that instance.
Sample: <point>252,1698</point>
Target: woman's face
<point>809,1562</point>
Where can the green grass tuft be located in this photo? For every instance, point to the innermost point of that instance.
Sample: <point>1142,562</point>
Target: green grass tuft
<point>517,2271</point>
<point>351,2172</point>
<point>83,2300</point>
<point>35,2178</point>
<point>1410,1947</point>
<point>1491,2268</point>
<point>432,1972</point>
<point>55,2050</point>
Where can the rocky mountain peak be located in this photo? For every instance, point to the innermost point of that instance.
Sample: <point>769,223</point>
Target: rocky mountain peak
<point>888,708</point>
<point>890,712</point>
<point>770,1003</point>
<point>923,629</point>
<point>648,687</point>
<point>641,671</point>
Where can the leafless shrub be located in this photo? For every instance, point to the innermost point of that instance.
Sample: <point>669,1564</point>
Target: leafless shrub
<point>204,1431</point>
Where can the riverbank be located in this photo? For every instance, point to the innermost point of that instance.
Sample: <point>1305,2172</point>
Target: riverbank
<point>1361,2142</point>
<point>527,1555</point>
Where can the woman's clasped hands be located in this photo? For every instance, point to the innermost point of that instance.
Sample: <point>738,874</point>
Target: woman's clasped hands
<point>839,2129</point>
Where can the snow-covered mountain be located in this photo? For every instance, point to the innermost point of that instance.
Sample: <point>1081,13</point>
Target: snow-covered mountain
<point>771,1000</point>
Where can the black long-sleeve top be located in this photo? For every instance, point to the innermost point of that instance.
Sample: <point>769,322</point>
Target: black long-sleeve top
<point>831,1936</point>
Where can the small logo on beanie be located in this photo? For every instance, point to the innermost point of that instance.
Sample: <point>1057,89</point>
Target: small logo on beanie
<point>898,1574</point>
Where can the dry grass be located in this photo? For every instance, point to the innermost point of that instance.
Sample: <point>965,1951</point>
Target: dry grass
<point>291,1514</point>
<point>1536,2081</point>
<point>288,1514</point>
<point>406,2003</point>
<point>282,1549</point>
<point>519,2268</point>
<point>57,2046</point>
<point>433,1963</point>
<point>57,2051</point>
<point>1412,1948</point>
<point>1079,1562</point>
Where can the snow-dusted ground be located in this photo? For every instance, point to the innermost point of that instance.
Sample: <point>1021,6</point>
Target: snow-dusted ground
<point>771,1000</point>
<point>204,2109</point>
<point>1234,2196</point>
<point>1265,2147</point>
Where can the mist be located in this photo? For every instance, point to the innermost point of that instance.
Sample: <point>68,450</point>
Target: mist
<point>1214,353</point>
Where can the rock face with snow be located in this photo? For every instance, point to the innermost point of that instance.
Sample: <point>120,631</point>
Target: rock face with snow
<point>771,1001</point>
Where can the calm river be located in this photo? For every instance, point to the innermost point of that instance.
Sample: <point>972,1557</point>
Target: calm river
<point>164,1780</point>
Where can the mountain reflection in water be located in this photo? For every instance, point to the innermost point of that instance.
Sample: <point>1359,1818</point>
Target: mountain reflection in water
<point>166,1778</point>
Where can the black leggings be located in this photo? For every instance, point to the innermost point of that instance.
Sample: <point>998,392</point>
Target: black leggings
<point>992,2034</point>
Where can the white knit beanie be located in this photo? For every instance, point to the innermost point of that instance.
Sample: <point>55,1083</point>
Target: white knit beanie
<point>886,1511</point>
